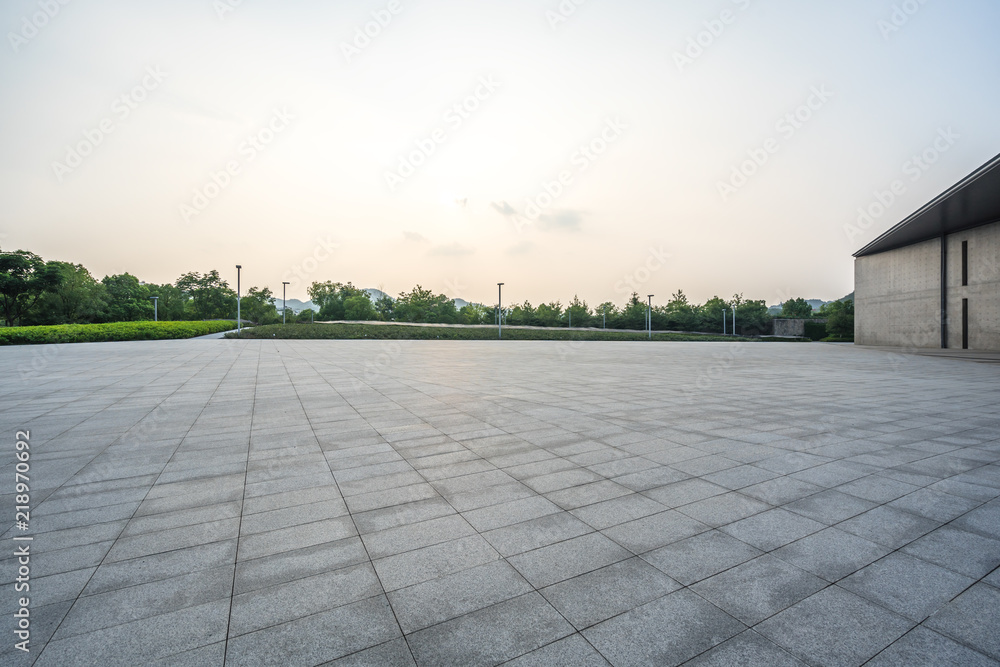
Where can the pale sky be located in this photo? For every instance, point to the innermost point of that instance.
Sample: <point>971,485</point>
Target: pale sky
<point>120,119</point>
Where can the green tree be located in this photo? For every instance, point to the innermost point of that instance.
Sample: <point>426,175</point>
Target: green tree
<point>548,314</point>
<point>171,302</point>
<point>578,313</point>
<point>305,316</point>
<point>257,305</point>
<point>607,313</point>
<point>128,299</point>
<point>752,318</point>
<point>476,313</point>
<point>634,313</point>
<point>710,315</point>
<point>385,307</point>
<point>839,318</point>
<point>331,296</point>
<point>78,299</point>
<point>678,314</point>
<point>521,314</point>
<point>359,307</point>
<point>422,305</point>
<point>797,308</point>
<point>210,295</point>
<point>24,277</point>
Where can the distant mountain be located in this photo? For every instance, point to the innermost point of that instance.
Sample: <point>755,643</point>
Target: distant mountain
<point>815,303</point>
<point>461,303</point>
<point>295,305</point>
<point>375,294</point>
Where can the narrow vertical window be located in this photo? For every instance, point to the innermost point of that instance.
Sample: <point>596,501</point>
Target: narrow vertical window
<point>965,324</point>
<point>965,263</point>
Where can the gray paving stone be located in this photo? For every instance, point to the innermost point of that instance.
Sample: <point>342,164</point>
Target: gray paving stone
<point>536,533</point>
<point>145,569</point>
<point>617,510</point>
<point>888,526</point>
<point>831,553</point>
<point>957,550</point>
<point>934,505</point>
<point>666,631</point>
<point>906,585</point>
<point>684,492</point>
<point>419,565</point>
<point>597,596</point>
<point>758,588</point>
<point>964,620</point>
<point>834,627</point>
<point>416,535</point>
<point>701,556</point>
<point>922,647</point>
<point>747,649</point>
<point>492,635</point>
<point>312,418</point>
<point>286,566</point>
<point>569,558</point>
<point>309,641</point>
<point>654,531</point>
<point>772,529</point>
<point>727,508</point>
<point>573,651</point>
<point>295,537</point>
<point>395,653</point>
<point>453,595</point>
<point>143,641</point>
<point>266,607</point>
<point>830,506</point>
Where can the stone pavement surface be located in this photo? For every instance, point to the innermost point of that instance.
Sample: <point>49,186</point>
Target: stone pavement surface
<point>475,503</point>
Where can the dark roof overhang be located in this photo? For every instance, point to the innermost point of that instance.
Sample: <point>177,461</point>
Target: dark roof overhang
<point>973,201</point>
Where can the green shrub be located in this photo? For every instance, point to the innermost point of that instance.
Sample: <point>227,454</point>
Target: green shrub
<point>93,333</point>
<point>815,330</point>
<point>339,331</point>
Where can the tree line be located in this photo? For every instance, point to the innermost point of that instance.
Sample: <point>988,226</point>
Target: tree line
<point>34,291</point>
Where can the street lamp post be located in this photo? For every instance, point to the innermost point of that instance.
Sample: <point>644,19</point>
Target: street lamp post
<point>239,315</point>
<point>283,307</point>
<point>734,320</point>
<point>649,315</point>
<point>499,310</point>
<point>156,317</point>
<point>723,321</point>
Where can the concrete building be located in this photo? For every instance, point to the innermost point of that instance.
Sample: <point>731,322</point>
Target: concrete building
<point>933,280</point>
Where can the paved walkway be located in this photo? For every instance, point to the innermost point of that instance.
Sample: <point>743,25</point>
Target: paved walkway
<point>211,502</point>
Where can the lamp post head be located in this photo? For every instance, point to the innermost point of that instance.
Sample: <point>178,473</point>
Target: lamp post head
<point>239,266</point>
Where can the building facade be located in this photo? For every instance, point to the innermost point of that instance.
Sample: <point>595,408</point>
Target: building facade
<point>933,280</point>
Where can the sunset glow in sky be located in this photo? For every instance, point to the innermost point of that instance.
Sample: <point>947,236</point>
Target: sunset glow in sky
<point>557,147</point>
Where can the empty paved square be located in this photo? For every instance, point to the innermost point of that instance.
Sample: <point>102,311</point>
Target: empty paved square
<point>211,502</point>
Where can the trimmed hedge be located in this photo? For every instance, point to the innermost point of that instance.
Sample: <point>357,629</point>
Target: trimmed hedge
<point>94,333</point>
<point>393,331</point>
<point>815,330</point>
